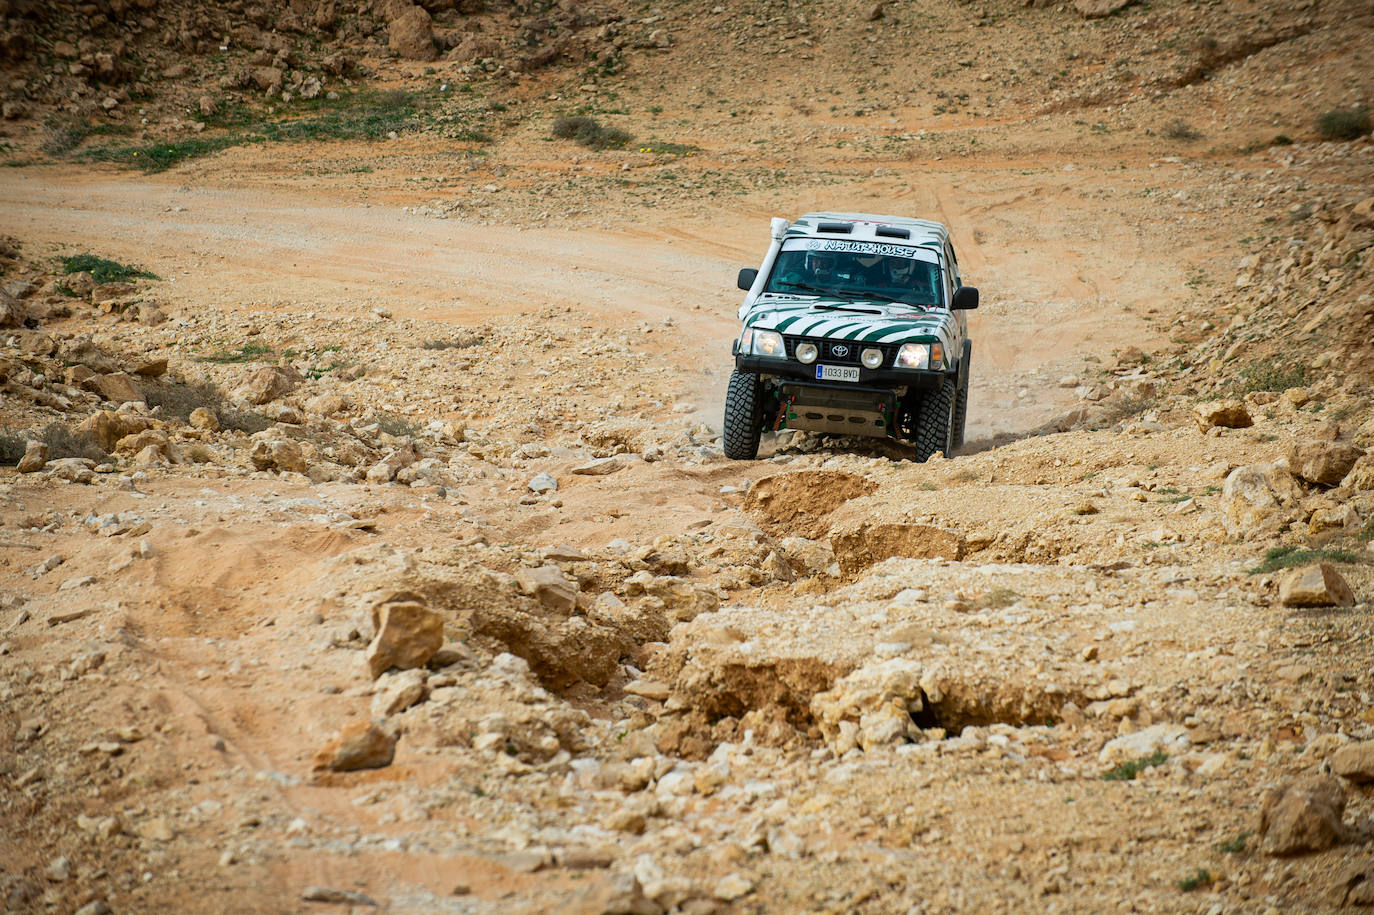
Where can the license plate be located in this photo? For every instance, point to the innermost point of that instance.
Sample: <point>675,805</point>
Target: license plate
<point>837,373</point>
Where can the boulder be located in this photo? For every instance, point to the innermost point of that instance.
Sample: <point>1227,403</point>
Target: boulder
<point>391,464</point>
<point>1333,517</point>
<point>1321,462</point>
<point>85,351</point>
<point>550,587</point>
<point>74,470</point>
<point>205,419</point>
<point>1166,738</point>
<point>1355,763</point>
<point>268,79</point>
<point>151,368</point>
<point>116,387</point>
<point>1229,414</point>
<point>360,745</point>
<point>1361,475</point>
<point>12,311</point>
<point>396,692</point>
<point>82,283</point>
<point>106,427</point>
<point>408,634</point>
<point>1316,585</point>
<point>871,706</point>
<point>1099,9</point>
<point>280,454</point>
<point>1248,505</point>
<point>268,383</point>
<point>34,459</point>
<point>871,542</point>
<point>1303,815</point>
<point>411,35</point>
<point>327,404</point>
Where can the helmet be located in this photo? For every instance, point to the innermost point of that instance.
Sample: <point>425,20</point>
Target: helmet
<point>820,263</point>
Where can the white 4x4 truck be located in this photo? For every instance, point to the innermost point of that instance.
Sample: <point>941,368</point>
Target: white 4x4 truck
<point>853,325</point>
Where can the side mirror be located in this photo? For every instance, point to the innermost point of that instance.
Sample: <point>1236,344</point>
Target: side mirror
<point>746,278</point>
<point>965,297</point>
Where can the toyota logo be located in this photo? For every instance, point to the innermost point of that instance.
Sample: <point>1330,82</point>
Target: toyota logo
<point>840,350</point>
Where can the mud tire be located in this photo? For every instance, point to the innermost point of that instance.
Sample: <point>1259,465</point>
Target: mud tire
<point>935,422</point>
<point>961,405</point>
<point>743,416</point>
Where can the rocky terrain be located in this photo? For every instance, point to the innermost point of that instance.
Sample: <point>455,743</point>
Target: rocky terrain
<point>367,540</point>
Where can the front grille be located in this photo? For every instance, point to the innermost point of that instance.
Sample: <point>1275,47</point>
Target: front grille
<point>830,357</point>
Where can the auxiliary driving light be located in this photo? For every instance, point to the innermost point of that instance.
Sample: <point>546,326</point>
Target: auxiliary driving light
<point>807,353</point>
<point>872,358</point>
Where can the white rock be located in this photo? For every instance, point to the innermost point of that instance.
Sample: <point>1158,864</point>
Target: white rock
<point>1169,738</point>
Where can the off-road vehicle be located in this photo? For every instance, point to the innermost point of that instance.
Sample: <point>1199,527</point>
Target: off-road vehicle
<point>853,325</point>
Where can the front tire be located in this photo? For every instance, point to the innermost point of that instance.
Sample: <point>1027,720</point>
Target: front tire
<point>743,416</point>
<point>961,404</point>
<point>935,421</point>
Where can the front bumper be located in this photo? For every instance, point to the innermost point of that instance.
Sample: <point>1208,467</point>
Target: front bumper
<point>790,370</point>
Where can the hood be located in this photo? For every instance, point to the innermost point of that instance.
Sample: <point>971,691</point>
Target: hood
<point>875,322</point>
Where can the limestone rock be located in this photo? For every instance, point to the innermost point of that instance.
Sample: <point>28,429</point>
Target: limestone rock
<point>870,543</point>
<point>1230,414</point>
<point>116,387</point>
<point>396,692</point>
<point>1098,9</point>
<point>392,463</point>
<point>1320,462</point>
<point>268,383</point>
<point>75,470</point>
<point>408,634</point>
<point>1248,504</point>
<point>1361,475</point>
<point>1333,517</point>
<point>1355,762</point>
<point>550,587</point>
<point>1316,585</point>
<point>150,368</point>
<point>280,454</point>
<point>106,428</point>
<point>1303,815</point>
<point>12,311</point>
<point>599,467</point>
<point>1168,738</point>
<point>543,482</point>
<point>360,745</point>
<point>82,283</point>
<point>880,698</point>
<point>204,418</point>
<point>327,404</point>
<point>35,457</point>
<point>411,35</point>
<point>268,79</point>
<point>812,555</point>
<point>85,351</point>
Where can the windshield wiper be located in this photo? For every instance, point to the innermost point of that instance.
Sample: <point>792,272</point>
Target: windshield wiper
<point>807,286</point>
<point>862,311</point>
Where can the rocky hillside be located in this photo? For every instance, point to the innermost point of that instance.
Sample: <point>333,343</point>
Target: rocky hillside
<point>367,539</point>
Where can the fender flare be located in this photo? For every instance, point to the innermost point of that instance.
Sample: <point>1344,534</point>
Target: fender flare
<point>965,358</point>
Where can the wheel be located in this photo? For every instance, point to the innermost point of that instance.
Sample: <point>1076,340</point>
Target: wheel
<point>935,421</point>
<point>961,406</point>
<point>743,416</point>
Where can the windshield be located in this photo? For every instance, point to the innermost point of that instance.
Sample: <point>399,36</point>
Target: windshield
<point>855,269</point>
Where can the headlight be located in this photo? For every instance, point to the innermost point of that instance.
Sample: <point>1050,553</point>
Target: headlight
<point>921,356</point>
<point>872,358</point>
<point>766,343</point>
<point>807,353</point>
